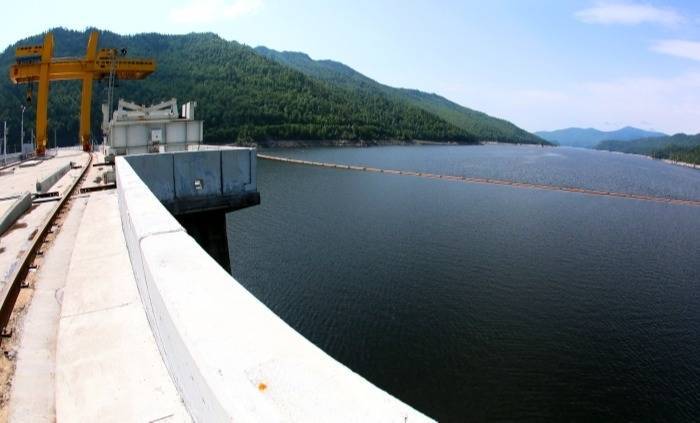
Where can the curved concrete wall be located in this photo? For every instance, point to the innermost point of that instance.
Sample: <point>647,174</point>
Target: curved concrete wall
<point>230,357</point>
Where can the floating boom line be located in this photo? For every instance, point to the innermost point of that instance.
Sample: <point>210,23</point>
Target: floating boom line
<point>490,181</point>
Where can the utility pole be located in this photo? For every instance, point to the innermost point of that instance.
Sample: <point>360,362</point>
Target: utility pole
<point>21,130</point>
<point>4,143</point>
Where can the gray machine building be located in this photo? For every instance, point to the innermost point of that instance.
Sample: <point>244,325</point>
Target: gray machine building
<point>136,129</point>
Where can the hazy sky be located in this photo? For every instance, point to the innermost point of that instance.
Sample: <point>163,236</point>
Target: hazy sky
<point>540,64</point>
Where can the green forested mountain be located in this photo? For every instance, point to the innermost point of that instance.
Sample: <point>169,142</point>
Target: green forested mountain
<point>679,147</point>
<point>481,125</point>
<point>242,95</point>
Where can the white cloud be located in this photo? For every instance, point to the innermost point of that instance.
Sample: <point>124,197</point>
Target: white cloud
<point>541,96</point>
<point>207,11</point>
<point>679,48</point>
<point>666,104</point>
<point>669,104</point>
<point>629,14</point>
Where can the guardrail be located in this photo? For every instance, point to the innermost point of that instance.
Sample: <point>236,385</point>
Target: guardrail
<point>10,160</point>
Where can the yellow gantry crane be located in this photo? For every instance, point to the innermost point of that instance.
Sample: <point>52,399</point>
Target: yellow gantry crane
<point>37,64</point>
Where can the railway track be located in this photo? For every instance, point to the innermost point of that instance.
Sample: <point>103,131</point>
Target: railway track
<point>490,181</point>
<point>30,259</point>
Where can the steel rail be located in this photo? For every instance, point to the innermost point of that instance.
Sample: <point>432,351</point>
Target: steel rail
<point>10,291</point>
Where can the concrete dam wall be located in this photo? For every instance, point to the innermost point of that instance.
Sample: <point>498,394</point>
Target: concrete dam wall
<point>230,357</point>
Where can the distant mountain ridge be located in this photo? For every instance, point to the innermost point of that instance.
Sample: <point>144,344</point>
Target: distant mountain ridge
<point>590,137</point>
<point>481,125</point>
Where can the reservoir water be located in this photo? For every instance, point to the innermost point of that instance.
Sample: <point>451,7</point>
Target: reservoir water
<point>479,302</point>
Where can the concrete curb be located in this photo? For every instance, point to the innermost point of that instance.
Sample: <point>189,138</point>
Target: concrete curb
<point>21,205</point>
<point>46,183</point>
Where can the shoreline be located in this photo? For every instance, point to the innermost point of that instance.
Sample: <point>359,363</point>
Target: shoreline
<point>348,143</point>
<point>263,145</point>
<point>284,144</point>
<point>684,164</point>
<point>646,156</point>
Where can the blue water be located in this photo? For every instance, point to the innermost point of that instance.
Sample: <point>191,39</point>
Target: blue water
<point>562,166</point>
<point>477,302</point>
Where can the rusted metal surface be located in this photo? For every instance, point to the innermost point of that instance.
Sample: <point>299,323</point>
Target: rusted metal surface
<point>9,292</point>
<point>98,188</point>
<point>46,200</point>
<point>46,194</point>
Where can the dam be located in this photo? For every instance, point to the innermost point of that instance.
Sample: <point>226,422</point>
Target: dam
<point>116,307</point>
<point>116,297</point>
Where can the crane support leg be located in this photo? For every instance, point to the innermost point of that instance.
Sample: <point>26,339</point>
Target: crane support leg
<point>42,104</point>
<point>85,101</point>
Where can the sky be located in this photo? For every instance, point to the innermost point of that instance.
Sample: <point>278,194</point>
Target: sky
<point>543,65</point>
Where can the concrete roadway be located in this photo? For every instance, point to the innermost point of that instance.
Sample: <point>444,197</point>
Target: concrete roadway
<point>16,180</point>
<point>83,349</point>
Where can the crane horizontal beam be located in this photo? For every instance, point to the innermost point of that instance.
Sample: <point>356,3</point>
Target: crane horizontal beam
<point>64,70</point>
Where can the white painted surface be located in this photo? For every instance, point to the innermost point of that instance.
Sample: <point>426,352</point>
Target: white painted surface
<point>230,357</point>
<point>108,368</point>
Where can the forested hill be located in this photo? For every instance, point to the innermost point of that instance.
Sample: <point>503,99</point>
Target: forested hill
<point>242,96</point>
<point>481,125</point>
<point>679,147</point>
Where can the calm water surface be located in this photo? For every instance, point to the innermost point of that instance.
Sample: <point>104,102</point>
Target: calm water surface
<point>477,302</point>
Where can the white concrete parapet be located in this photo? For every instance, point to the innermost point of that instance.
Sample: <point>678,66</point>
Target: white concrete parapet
<point>230,357</point>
